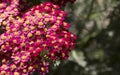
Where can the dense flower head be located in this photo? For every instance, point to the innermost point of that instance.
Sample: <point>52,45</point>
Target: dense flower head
<point>31,41</point>
<point>8,9</point>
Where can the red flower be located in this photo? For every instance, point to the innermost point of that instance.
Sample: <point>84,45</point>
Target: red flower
<point>38,35</point>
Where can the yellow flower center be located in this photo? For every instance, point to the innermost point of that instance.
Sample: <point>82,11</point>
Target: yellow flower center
<point>16,48</point>
<point>47,19</point>
<point>52,54</point>
<point>40,23</point>
<point>55,46</point>
<point>3,37</point>
<point>42,69</point>
<point>44,45</point>
<point>22,64</point>
<point>17,58</point>
<point>65,24</point>
<point>3,66</point>
<point>22,37</point>
<point>45,29</point>
<point>60,40</point>
<point>14,41</point>
<point>1,4</point>
<point>30,68</point>
<point>22,44</point>
<point>24,70</point>
<point>13,66</point>
<point>3,60</point>
<point>16,73</point>
<point>47,35</point>
<point>3,47</point>
<point>14,29</point>
<point>29,35</point>
<point>32,27</point>
<point>24,57</point>
<point>2,72</point>
<point>7,28</point>
<point>38,33</point>
<point>16,33</point>
<point>63,54</point>
<point>2,15</point>
<point>4,23</point>
<point>54,26</point>
<point>26,29</point>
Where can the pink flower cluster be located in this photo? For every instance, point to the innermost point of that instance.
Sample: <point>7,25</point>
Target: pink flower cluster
<point>31,41</point>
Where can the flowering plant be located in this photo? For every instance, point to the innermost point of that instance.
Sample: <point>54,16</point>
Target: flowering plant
<point>32,38</point>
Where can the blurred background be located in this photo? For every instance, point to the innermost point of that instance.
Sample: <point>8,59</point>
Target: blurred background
<point>97,26</point>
